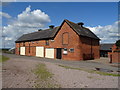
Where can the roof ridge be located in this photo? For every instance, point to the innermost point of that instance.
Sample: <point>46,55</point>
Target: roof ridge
<point>40,31</point>
<point>47,33</point>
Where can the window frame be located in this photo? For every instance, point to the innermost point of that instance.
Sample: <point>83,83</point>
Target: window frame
<point>71,50</point>
<point>23,43</point>
<point>47,42</point>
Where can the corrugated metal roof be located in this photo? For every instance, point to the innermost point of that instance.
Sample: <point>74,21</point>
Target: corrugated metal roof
<point>48,34</point>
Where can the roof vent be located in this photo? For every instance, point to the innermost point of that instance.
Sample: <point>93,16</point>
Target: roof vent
<point>80,24</point>
<point>51,27</point>
<point>40,30</point>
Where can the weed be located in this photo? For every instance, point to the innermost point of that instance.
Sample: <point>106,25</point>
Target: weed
<point>44,77</point>
<point>42,72</point>
<point>91,71</point>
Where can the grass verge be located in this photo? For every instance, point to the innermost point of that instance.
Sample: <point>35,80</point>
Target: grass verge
<point>3,58</point>
<point>44,77</point>
<point>91,71</point>
<point>42,72</point>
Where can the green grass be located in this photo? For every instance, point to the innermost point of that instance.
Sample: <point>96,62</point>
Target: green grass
<point>3,58</point>
<point>91,71</point>
<point>104,73</point>
<point>42,72</point>
<point>44,77</point>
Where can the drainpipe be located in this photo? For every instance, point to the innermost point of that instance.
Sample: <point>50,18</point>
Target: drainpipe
<point>91,48</point>
<point>29,48</point>
<point>19,48</point>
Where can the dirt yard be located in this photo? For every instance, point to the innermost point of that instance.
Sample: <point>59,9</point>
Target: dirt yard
<point>17,73</point>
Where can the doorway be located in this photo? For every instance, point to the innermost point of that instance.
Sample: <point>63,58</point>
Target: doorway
<point>59,53</point>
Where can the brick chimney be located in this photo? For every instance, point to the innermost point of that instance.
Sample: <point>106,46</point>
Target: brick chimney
<point>80,24</point>
<point>51,27</point>
<point>40,30</point>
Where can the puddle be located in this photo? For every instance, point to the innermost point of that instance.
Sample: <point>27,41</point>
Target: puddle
<point>103,70</point>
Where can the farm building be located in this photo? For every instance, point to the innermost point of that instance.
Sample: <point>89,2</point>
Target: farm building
<point>115,54</point>
<point>105,48</point>
<point>69,41</point>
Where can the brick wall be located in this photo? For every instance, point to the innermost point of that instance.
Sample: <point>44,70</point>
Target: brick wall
<point>114,55</point>
<point>90,48</point>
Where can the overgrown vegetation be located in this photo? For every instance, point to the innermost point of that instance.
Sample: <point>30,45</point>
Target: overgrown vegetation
<point>44,77</point>
<point>3,58</point>
<point>91,71</point>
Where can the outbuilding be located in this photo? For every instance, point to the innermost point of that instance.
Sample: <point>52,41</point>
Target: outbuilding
<point>105,48</point>
<point>115,54</point>
<point>69,41</point>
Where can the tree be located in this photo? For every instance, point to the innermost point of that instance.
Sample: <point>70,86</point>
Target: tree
<point>117,43</point>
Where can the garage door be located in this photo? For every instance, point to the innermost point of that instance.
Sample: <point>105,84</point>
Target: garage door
<point>49,53</point>
<point>22,50</point>
<point>40,51</point>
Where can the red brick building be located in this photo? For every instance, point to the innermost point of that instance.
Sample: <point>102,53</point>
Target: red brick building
<point>115,54</point>
<point>69,41</point>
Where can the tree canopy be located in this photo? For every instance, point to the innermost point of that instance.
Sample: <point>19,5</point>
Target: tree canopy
<point>117,43</point>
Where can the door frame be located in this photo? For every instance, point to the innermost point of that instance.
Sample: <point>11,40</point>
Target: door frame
<point>57,51</point>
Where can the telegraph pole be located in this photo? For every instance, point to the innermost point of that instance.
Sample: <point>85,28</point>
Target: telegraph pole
<point>3,41</point>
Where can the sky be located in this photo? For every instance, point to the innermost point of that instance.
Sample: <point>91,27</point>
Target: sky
<point>19,18</point>
<point>59,0</point>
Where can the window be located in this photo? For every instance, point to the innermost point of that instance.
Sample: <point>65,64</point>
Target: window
<point>52,40</point>
<point>47,42</point>
<point>37,42</point>
<point>71,49</point>
<point>65,51</point>
<point>23,43</point>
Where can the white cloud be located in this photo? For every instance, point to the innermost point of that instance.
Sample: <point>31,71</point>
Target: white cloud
<point>107,34</point>
<point>26,22</point>
<point>36,18</point>
<point>6,15</point>
<point>30,21</point>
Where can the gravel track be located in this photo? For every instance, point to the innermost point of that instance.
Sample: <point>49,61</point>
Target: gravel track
<point>17,74</point>
<point>70,78</point>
